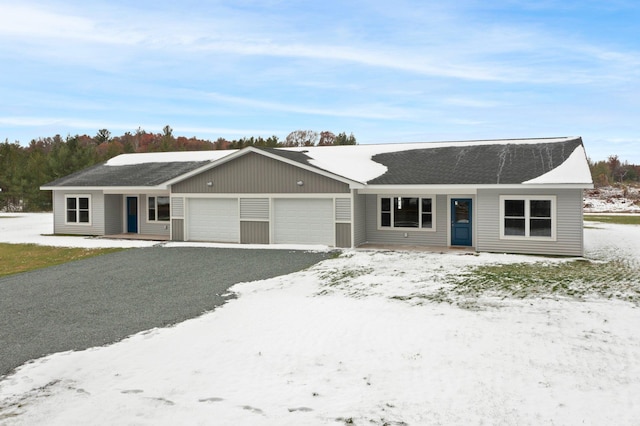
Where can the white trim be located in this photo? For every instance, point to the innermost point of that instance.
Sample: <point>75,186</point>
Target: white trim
<point>461,189</point>
<point>261,195</point>
<point>406,229</point>
<point>527,218</point>
<point>118,190</point>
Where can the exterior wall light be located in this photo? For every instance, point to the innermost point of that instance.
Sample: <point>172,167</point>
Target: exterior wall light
<point>299,183</point>
<point>209,184</point>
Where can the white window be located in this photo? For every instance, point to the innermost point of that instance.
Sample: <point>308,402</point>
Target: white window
<point>406,212</point>
<point>159,209</point>
<point>529,217</point>
<point>78,209</point>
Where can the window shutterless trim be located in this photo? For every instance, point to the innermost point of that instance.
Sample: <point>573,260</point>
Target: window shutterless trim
<point>527,217</point>
<point>77,209</point>
<point>379,212</point>
<point>154,208</point>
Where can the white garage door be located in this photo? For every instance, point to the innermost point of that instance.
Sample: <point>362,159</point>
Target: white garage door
<point>304,221</point>
<point>213,220</point>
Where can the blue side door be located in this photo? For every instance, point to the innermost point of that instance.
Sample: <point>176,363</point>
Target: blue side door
<point>461,222</point>
<point>132,215</point>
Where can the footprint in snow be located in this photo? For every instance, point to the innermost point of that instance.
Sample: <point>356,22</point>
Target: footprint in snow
<point>132,391</point>
<point>303,409</point>
<point>212,399</point>
<point>252,409</point>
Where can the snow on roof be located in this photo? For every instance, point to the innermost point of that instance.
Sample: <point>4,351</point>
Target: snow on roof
<point>575,169</point>
<point>355,161</point>
<point>168,157</point>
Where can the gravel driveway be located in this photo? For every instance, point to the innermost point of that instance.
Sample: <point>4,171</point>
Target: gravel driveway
<point>100,300</point>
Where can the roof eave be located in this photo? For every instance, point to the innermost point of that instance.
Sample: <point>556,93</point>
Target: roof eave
<point>468,188</point>
<point>110,189</point>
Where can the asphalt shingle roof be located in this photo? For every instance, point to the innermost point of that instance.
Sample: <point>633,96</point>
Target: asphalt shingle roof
<point>145,174</point>
<point>510,163</point>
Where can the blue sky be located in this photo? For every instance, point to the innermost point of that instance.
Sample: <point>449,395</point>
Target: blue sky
<point>396,71</point>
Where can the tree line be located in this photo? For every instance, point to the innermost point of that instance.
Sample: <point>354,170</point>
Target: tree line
<point>613,171</point>
<point>23,169</point>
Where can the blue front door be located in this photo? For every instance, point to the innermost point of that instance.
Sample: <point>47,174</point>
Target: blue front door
<point>461,223</point>
<point>132,215</point>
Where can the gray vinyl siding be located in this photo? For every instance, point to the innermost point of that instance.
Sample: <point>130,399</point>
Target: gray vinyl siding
<point>177,207</point>
<point>96,212</point>
<point>146,227</point>
<point>359,219</point>
<point>252,232</point>
<point>569,225</point>
<point>254,209</point>
<point>177,228</point>
<point>256,174</point>
<point>343,209</point>
<point>114,212</point>
<point>413,237</point>
<point>343,235</point>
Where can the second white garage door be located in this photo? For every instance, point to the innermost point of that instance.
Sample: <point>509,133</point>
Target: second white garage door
<point>303,221</point>
<point>214,220</point>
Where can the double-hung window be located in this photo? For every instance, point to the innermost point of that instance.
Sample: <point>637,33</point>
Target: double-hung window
<point>528,217</point>
<point>406,212</point>
<point>159,209</point>
<point>78,209</point>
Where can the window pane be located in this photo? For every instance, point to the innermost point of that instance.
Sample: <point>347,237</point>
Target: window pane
<point>71,216</point>
<point>84,203</point>
<point>514,227</point>
<point>84,216</point>
<point>514,208</point>
<point>540,228</point>
<point>71,203</point>
<point>427,221</point>
<point>385,204</point>
<point>385,219</point>
<point>540,208</point>
<point>462,211</point>
<point>426,205</point>
<point>163,208</point>
<point>152,208</point>
<point>405,212</point>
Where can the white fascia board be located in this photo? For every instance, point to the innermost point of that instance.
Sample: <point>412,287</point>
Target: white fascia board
<point>111,189</point>
<point>461,189</point>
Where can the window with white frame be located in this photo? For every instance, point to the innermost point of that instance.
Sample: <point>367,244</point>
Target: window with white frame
<point>528,217</point>
<point>78,209</point>
<point>159,209</point>
<point>406,212</point>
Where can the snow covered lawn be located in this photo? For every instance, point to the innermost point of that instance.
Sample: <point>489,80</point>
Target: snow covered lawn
<point>369,338</point>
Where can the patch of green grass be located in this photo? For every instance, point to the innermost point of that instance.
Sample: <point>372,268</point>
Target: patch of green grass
<point>17,258</point>
<point>619,219</point>
<point>578,278</point>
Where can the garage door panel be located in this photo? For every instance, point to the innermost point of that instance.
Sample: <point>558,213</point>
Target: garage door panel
<point>304,221</point>
<point>214,220</point>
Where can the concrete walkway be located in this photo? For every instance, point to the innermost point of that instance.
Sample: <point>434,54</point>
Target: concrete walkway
<point>100,300</point>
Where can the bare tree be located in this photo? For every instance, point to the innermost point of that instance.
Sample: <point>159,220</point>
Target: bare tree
<point>301,138</point>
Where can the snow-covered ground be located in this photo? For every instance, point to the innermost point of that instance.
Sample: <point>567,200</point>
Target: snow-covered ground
<point>344,342</point>
<point>612,200</point>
